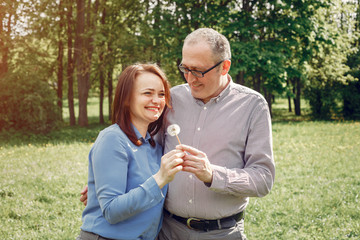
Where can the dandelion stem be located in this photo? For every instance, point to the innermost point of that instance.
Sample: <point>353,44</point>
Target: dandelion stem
<point>178,139</point>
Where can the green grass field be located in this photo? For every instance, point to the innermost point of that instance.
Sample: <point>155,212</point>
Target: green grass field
<point>315,196</point>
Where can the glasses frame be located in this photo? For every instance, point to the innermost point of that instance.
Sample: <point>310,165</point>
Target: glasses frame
<point>196,72</point>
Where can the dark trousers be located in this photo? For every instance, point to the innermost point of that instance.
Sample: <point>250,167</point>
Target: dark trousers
<point>90,236</point>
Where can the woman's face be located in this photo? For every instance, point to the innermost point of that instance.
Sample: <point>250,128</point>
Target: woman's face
<point>147,100</point>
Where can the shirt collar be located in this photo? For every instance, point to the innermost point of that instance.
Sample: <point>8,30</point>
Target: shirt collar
<point>139,136</point>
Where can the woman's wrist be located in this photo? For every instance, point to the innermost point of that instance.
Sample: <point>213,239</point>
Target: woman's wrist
<point>159,180</point>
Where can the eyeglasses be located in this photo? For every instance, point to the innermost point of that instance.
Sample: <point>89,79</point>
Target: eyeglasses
<point>196,73</point>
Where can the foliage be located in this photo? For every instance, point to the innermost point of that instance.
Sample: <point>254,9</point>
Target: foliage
<point>327,70</point>
<point>277,46</point>
<point>351,89</point>
<point>27,103</point>
<point>351,98</point>
<point>323,100</point>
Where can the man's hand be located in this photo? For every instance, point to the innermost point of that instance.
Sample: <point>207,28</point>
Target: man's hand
<point>196,162</point>
<point>83,197</point>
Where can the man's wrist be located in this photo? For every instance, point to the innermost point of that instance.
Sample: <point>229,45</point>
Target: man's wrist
<point>208,183</point>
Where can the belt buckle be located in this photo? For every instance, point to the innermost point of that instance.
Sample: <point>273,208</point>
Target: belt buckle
<point>188,222</point>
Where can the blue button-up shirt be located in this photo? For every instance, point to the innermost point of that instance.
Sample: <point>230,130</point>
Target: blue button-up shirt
<point>124,200</point>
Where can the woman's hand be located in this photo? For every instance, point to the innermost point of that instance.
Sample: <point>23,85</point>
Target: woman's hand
<point>171,163</point>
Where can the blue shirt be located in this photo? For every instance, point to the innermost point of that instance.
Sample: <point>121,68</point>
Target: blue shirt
<point>124,200</point>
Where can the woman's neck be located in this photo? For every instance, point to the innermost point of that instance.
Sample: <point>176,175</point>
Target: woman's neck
<point>142,128</point>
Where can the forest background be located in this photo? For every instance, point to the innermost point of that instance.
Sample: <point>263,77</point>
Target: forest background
<point>56,51</point>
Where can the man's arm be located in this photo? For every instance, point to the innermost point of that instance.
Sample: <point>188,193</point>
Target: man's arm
<point>255,179</point>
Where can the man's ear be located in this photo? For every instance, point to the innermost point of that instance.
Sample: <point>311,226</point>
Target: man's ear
<point>226,67</point>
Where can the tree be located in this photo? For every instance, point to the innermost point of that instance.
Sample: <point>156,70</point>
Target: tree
<point>86,17</point>
<point>70,61</point>
<point>60,73</point>
<point>8,19</point>
<point>327,69</point>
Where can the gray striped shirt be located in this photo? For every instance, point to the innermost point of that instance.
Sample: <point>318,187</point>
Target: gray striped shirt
<point>234,130</point>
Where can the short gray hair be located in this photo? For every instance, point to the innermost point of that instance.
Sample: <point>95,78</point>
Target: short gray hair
<point>218,43</point>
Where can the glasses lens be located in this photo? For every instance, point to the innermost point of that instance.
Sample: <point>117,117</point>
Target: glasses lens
<point>183,69</point>
<point>197,74</point>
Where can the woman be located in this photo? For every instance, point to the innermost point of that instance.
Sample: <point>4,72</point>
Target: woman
<point>128,178</point>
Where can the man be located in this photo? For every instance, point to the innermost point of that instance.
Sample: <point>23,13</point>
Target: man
<point>228,127</point>
<point>225,129</point>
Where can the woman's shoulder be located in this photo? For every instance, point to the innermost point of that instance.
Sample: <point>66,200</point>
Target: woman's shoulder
<point>112,133</point>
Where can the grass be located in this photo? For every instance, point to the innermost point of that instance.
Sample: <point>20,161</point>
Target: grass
<point>317,187</point>
<point>315,196</point>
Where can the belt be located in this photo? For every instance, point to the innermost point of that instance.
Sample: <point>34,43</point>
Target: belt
<point>208,225</point>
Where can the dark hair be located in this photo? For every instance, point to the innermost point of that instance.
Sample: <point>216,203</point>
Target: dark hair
<point>123,92</point>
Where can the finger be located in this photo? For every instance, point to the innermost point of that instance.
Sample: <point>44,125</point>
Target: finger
<point>83,197</point>
<point>172,152</point>
<point>192,165</point>
<point>189,149</point>
<point>191,158</point>
<point>175,170</point>
<point>175,162</point>
<point>84,190</point>
<point>173,155</point>
<point>189,169</point>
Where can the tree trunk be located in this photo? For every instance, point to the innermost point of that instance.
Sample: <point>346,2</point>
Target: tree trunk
<point>101,110</point>
<point>4,49</point>
<point>257,82</point>
<point>70,65</point>
<point>240,78</point>
<point>102,83</point>
<point>110,90</point>
<point>83,62</point>
<point>102,73</point>
<point>110,68</point>
<point>60,74</point>
<point>297,92</point>
<point>80,62</point>
<point>268,97</point>
<point>288,97</point>
<point>289,103</point>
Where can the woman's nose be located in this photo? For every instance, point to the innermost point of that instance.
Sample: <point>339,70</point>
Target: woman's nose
<point>156,99</point>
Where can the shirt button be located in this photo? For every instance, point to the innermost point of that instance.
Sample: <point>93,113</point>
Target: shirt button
<point>198,129</point>
<point>190,176</point>
<point>190,201</point>
<point>205,108</point>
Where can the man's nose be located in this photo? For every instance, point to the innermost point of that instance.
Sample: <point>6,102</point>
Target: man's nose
<point>190,77</point>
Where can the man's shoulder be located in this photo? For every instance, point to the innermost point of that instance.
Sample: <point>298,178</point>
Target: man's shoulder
<point>181,91</point>
<point>247,92</point>
<point>180,88</point>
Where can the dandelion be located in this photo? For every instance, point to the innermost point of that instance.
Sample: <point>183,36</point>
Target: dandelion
<point>174,130</point>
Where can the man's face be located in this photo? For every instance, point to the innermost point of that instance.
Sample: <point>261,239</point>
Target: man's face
<point>199,57</point>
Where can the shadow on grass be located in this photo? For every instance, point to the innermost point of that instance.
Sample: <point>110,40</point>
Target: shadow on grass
<point>65,134</point>
<point>284,116</point>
